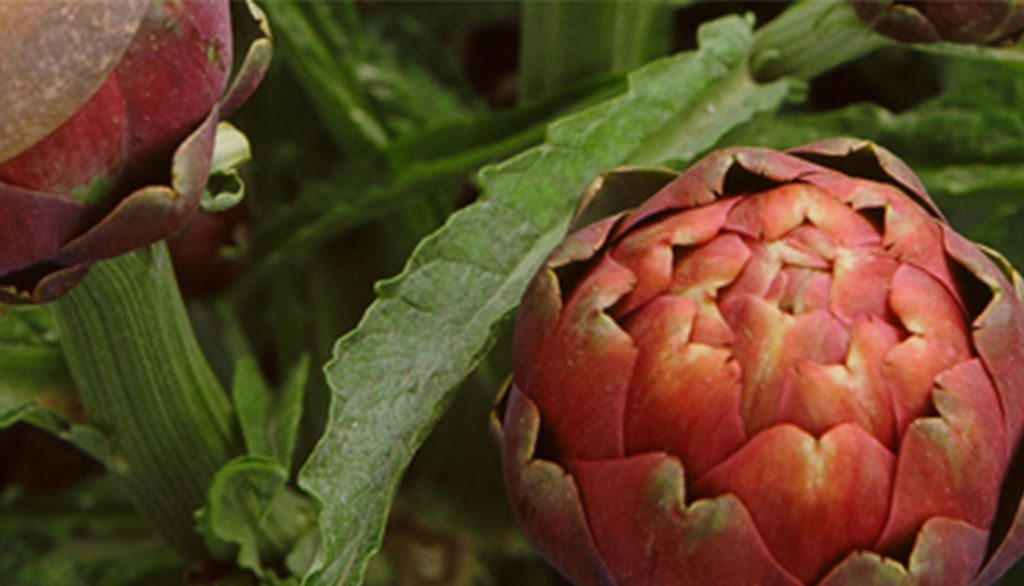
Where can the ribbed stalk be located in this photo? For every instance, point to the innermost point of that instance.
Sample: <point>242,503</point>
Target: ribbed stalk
<point>145,384</point>
<point>810,38</point>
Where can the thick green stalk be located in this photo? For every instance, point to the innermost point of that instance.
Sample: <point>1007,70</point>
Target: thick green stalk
<point>147,387</point>
<point>810,38</point>
<point>567,41</point>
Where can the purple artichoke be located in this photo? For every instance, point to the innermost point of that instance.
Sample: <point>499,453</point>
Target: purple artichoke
<point>975,22</point>
<point>781,369</point>
<point>211,251</point>
<point>114,109</point>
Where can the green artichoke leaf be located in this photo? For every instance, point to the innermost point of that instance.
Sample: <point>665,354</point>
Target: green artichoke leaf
<point>413,80</point>
<point>440,134</point>
<point>269,418</point>
<point>370,79</point>
<point>360,190</point>
<point>394,375</point>
<point>252,517</point>
<point>463,144</point>
<point>314,37</point>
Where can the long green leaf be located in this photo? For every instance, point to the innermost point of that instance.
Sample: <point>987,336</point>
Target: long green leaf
<point>320,44</point>
<point>269,419</point>
<point>359,191</point>
<point>394,375</point>
<point>370,80</point>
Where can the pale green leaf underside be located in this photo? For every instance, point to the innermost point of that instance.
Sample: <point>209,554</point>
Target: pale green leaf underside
<point>393,376</point>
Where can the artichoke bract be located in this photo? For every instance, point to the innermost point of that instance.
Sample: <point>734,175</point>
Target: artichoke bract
<point>782,368</point>
<point>110,113</point>
<point>984,22</point>
<point>211,251</point>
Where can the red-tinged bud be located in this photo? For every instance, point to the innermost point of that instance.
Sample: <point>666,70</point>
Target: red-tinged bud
<point>114,107</point>
<point>782,368</point>
<point>975,22</point>
<point>211,251</point>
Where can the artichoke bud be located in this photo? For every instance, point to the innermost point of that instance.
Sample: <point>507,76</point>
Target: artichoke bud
<point>111,134</point>
<point>779,368</point>
<point>985,22</point>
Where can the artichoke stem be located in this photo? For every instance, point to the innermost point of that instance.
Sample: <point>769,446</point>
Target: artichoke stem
<point>809,39</point>
<point>147,387</point>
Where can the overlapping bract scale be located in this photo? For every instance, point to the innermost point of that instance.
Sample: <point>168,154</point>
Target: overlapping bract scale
<point>772,356</point>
